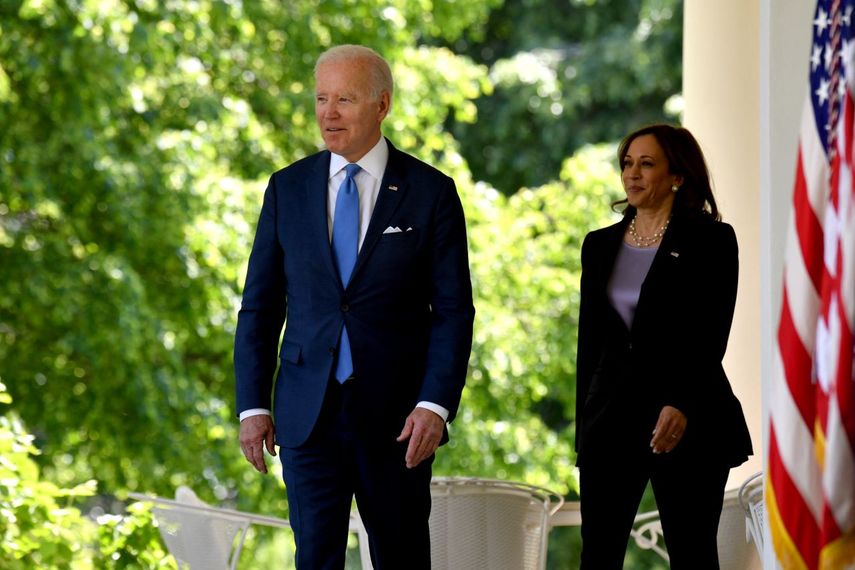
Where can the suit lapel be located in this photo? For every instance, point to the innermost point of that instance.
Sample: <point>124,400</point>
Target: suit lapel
<point>317,185</point>
<point>669,249</point>
<point>393,188</point>
<point>667,254</point>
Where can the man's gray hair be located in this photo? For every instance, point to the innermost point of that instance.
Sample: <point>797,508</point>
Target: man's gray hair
<point>379,73</point>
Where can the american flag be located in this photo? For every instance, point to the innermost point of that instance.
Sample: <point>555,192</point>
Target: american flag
<point>810,476</point>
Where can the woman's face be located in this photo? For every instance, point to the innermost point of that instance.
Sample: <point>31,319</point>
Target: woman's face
<point>646,175</point>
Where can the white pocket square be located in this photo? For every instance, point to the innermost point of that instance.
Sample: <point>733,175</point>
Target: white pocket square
<point>392,230</point>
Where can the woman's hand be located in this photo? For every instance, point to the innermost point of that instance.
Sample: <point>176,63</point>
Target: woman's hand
<point>669,430</point>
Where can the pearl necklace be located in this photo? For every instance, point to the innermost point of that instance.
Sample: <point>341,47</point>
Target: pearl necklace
<point>647,241</point>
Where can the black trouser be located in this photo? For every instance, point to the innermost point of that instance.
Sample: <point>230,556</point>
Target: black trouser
<point>689,492</point>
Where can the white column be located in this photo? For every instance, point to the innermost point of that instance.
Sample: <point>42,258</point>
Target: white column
<point>721,87</point>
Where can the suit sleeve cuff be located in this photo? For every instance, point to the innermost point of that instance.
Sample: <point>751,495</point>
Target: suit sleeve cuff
<point>254,412</point>
<point>435,408</point>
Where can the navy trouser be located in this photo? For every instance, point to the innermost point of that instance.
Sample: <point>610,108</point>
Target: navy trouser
<point>337,463</point>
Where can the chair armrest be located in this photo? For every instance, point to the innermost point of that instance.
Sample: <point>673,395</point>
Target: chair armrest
<point>568,514</point>
<point>229,514</point>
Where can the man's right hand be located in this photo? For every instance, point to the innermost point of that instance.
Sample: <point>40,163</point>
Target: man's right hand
<point>255,433</point>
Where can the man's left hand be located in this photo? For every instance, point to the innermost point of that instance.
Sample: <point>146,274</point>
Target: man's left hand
<point>255,433</point>
<point>424,429</point>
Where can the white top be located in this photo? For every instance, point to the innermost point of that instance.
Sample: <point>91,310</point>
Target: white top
<point>630,270</point>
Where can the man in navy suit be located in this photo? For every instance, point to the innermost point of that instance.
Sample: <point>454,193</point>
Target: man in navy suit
<point>378,328</point>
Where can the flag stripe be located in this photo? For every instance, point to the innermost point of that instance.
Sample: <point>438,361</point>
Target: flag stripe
<point>808,228</point>
<point>803,531</point>
<point>794,437</point>
<point>797,364</point>
<point>787,553</point>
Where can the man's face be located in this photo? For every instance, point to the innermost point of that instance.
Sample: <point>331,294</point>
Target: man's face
<point>349,120</point>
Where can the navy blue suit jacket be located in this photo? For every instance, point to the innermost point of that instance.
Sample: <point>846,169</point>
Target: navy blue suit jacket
<point>408,307</point>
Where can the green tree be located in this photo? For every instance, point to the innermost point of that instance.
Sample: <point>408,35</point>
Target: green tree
<point>567,73</point>
<point>40,525</point>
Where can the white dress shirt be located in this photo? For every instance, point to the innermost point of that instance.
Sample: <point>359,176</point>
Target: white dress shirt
<point>368,181</point>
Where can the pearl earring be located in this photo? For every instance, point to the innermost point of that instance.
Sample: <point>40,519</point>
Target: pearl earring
<point>674,188</point>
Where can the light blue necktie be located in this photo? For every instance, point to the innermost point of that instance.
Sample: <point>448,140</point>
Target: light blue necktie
<point>345,242</point>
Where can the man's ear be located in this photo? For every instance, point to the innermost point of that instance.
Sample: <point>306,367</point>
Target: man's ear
<point>383,105</point>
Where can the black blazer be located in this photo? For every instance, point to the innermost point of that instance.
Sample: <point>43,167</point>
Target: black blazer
<point>408,306</point>
<point>672,354</point>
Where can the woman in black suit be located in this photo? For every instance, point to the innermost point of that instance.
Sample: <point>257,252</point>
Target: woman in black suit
<point>653,402</point>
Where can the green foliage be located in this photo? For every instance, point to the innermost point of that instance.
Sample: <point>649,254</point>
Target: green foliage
<point>131,541</point>
<point>37,528</point>
<point>567,74</point>
<point>41,527</point>
<point>100,317</point>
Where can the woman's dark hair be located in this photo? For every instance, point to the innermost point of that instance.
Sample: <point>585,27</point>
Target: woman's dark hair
<point>685,158</point>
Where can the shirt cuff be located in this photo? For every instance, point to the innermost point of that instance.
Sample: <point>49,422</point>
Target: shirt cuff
<point>254,412</point>
<point>435,408</point>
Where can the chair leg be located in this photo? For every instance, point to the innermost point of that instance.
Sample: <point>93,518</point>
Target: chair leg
<point>238,548</point>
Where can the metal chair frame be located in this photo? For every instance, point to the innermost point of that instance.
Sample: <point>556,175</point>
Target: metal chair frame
<point>648,534</point>
<point>752,502</point>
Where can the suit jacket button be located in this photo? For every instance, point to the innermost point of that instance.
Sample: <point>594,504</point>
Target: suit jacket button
<point>332,351</point>
<point>345,307</point>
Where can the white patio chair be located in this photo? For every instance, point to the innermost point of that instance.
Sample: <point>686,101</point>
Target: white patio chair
<point>734,550</point>
<point>489,524</point>
<point>202,537</point>
<point>752,503</point>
